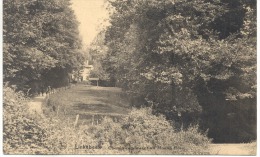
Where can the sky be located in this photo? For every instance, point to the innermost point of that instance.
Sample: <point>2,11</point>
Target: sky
<point>90,14</point>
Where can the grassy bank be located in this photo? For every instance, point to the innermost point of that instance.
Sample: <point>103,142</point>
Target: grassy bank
<point>137,132</point>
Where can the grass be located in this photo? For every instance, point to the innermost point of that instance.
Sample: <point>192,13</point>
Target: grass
<point>139,132</point>
<point>92,104</point>
<point>89,102</point>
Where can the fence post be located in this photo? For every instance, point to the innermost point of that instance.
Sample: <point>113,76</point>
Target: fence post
<point>76,121</point>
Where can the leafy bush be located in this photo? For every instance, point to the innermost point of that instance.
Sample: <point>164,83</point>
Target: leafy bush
<point>26,133</point>
<point>144,133</point>
<point>21,134</point>
<point>140,132</point>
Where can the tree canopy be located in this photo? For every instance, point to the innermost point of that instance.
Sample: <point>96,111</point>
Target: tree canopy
<point>188,59</point>
<point>40,42</point>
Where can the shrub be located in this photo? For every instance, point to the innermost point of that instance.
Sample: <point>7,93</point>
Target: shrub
<point>140,132</point>
<point>21,135</point>
<point>63,138</point>
<point>146,130</point>
<point>191,141</point>
<point>144,133</point>
<point>25,133</point>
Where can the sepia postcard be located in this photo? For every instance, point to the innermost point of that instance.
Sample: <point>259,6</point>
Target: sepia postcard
<point>129,77</point>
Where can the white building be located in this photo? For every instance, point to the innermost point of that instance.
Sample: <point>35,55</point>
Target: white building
<point>86,71</point>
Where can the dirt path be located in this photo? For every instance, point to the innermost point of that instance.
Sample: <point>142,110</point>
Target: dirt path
<point>35,105</point>
<point>233,149</point>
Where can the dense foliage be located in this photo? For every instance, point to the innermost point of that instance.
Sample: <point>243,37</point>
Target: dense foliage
<point>139,132</point>
<point>194,61</point>
<point>97,53</point>
<point>41,43</point>
<point>21,134</point>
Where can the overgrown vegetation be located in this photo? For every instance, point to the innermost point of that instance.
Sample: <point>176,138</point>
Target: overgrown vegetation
<point>190,60</point>
<point>139,132</point>
<point>144,133</point>
<point>21,134</point>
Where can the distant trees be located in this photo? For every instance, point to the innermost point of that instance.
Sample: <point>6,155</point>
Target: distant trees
<point>191,60</point>
<point>41,44</point>
<point>97,52</point>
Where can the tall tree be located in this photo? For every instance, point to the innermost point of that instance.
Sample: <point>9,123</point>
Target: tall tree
<point>175,56</point>
<point>40,36</point>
